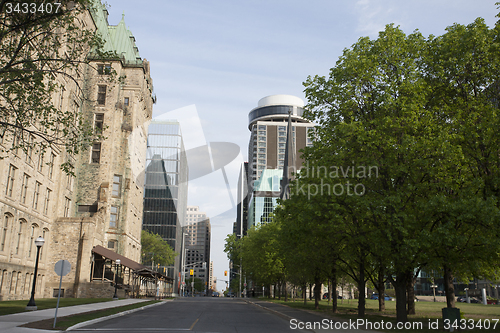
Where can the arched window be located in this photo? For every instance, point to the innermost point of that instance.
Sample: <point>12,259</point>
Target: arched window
<point>5,228</point>
<point>3,279</point>
<point>33,231</point>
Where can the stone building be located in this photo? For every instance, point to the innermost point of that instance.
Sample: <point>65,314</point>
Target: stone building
<point>99,210</point>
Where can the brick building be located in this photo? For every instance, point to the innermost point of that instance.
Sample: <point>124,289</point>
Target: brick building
<point>85,218</point>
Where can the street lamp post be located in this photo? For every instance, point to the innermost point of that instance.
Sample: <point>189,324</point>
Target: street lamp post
<point>31,304</point>
<point>116,278</point>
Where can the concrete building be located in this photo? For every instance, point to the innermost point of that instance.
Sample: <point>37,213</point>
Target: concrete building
<point>165,196</point>
<point>96,215</point>
<point>197,246</point>
<point>268,123</point>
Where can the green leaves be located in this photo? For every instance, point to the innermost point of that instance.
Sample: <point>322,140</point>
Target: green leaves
<point>155,249</point>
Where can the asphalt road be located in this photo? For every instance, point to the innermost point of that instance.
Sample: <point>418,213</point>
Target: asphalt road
<point>198,314</point>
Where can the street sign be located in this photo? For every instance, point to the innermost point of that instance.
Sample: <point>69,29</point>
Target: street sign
<point>62,267</point>
<point>244,284</point>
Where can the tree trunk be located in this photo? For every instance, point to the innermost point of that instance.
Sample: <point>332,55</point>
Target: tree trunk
<point>304,291</point>
<point>449,288</point>
<point>317,292</point>
<point>410,291</point>
<point>400,287</point>
<point>310,291</point>
<point>381,288</point>
<point>286,291</point>
<point>334,289</point>
<point>361,288</point>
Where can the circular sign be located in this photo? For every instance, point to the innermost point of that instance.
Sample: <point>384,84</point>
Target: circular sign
<point>62,267</point>
<point>245,284</point>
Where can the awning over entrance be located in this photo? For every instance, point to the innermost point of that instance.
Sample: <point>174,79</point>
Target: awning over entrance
<point>133,265</point>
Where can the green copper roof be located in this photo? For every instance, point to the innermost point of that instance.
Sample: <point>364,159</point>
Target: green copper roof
<point>117,38</point>
<point>269,181</point>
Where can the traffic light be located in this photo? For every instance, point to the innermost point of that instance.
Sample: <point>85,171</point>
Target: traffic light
<point>225,273</point>
<point>191,272</point>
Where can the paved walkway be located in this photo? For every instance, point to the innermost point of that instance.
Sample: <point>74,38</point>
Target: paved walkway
<point>9,323</point>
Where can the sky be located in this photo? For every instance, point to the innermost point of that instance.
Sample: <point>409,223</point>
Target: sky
<point>213,60</point>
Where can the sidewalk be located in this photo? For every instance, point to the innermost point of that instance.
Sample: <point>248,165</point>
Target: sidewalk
<point>9,323</point>
<point>305,320</point>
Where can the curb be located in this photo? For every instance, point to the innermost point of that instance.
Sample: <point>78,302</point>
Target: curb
<point>97,320</point>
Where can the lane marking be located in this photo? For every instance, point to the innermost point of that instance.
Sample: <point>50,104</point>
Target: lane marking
<point>191,328</point>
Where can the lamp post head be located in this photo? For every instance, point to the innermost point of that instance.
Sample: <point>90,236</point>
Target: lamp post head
<point>39,241</point>
<point>118,261</point>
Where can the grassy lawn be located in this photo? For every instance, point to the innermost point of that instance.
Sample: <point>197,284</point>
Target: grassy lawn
<point>8,307</point>
<point>64,322</point>
<point>426,312</point>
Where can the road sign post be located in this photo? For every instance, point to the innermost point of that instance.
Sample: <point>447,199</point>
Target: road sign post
<point>62,268</point>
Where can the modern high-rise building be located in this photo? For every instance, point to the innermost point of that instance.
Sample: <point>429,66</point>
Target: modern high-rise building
<point>268,123</point>
<point>241,224</point>
<point>165,193</point>
<point>198,233</point>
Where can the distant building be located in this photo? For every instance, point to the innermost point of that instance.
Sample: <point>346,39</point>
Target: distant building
<point>198,232</point>
<point>165,194</point>
<point>268,124</point>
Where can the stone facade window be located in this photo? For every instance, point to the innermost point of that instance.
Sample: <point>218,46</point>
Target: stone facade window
<point>46,204</point>
<point>116,186</point>
<point>67,205</point>
<point>36,195</point>
<point>51,165</point>
<point>126,101</point>
<point>10,180</point>
<point>24,188</point>
<point>113,218</point>
<point>96,153</point>
<point>98,122</point>
<point>104,69</point>
<point>101,95</point>
<point>5,228</point>
<point>19,236</point>
<point>112,244</point>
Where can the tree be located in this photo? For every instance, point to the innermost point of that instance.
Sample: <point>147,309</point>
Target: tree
<point>44,50</point>
<point>156,250</point>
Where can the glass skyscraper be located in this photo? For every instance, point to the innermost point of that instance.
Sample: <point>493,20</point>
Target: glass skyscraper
<point>165,192</point>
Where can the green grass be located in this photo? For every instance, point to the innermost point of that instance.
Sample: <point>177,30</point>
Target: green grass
<point>425,311</point>
<point>64,322</point>
<point>9,307</point>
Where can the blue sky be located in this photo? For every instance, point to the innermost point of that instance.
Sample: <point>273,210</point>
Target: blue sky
<point>219,57</point>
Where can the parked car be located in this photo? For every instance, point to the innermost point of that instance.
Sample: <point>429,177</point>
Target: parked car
<point>325,296</point>
<point>386,297</point>
<point>462,299</point>
<point>215,294</point>
<point>230,294</point>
